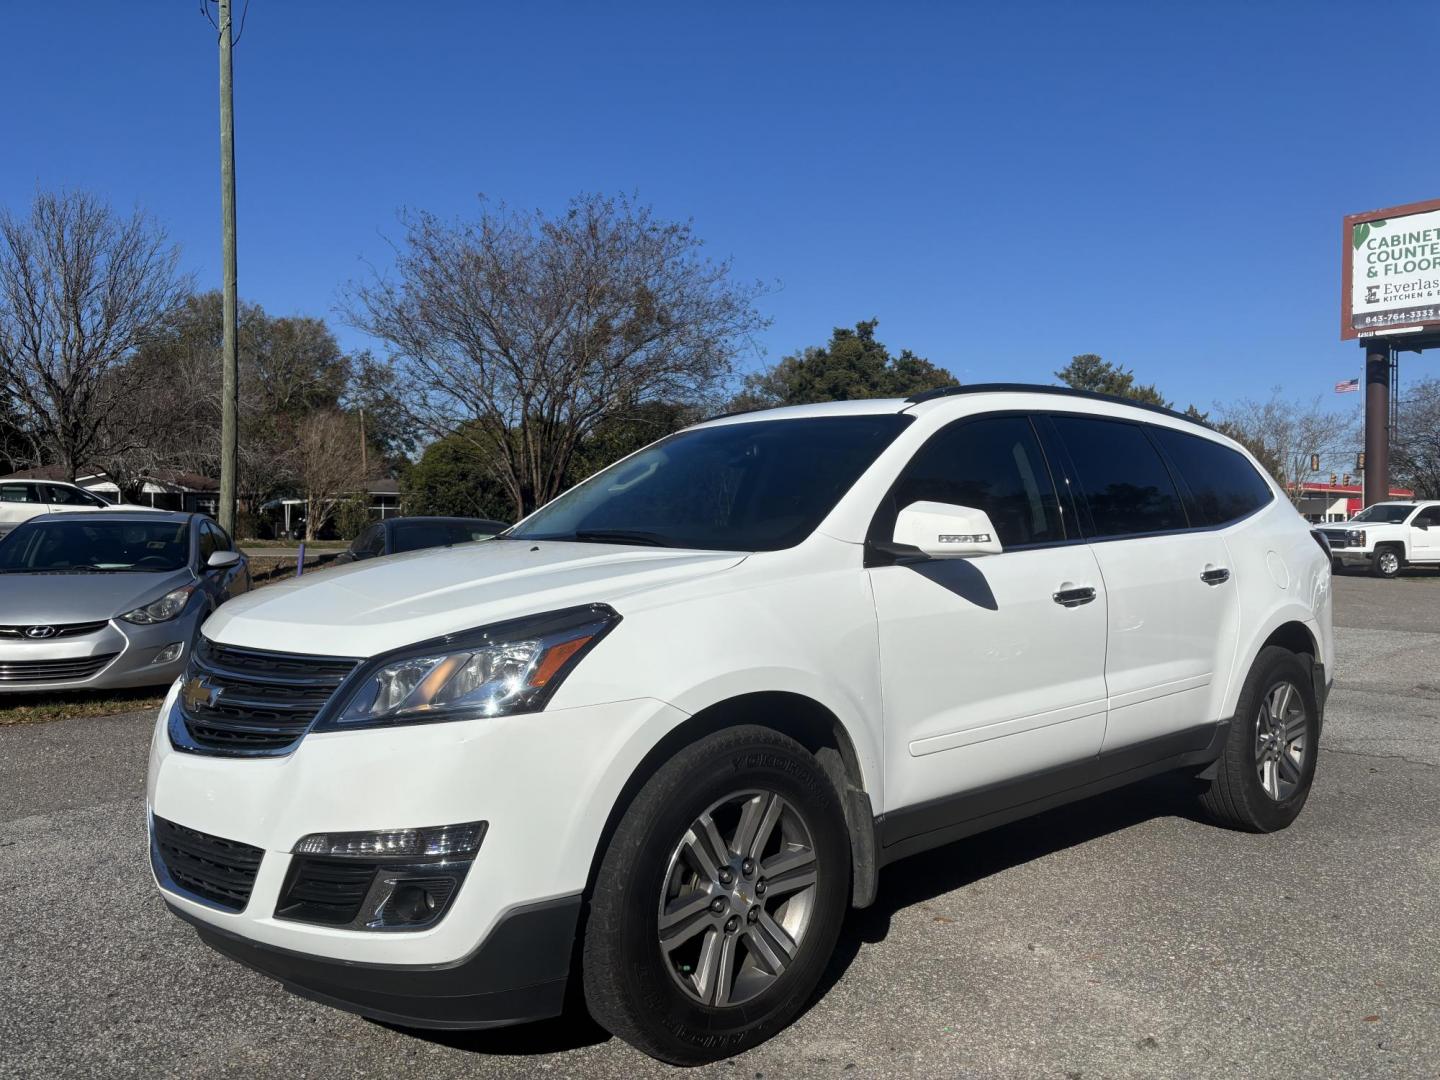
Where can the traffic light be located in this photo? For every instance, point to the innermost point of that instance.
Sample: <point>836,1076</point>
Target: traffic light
<point>1347,480</point>
<point>1360,461</point>
<point>1333,479</point>
<point>1314,462</point>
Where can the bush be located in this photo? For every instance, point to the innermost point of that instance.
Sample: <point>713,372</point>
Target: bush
<point>351,516</point>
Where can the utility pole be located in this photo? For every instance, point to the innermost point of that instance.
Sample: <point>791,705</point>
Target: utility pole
<point>230,382</point>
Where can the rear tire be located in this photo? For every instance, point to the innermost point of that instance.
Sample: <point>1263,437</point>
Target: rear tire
<point>1265,771</point>
<point>1388,561</point>
<point>691,953</point>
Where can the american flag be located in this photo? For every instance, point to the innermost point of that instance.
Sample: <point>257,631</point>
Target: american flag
<point>1347,387</point>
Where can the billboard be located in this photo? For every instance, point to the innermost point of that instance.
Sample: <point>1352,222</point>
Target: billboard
<point>1391,270</point>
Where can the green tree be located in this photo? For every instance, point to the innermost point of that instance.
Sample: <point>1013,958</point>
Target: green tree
<point>455,475</point>
<point>853,365</point>
<point>624,431</point>
<point>1090,372</point>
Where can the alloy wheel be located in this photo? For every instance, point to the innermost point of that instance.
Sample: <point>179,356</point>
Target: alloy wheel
<point>1281,742</point>
<point>739,891</point>
<point>1389,562</point>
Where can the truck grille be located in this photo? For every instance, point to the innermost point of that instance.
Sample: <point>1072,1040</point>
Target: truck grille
<point>252,701</point>
<point>210,867</point>
<point>48,671</point>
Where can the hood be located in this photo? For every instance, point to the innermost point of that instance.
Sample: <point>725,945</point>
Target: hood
<point>54,599</point>
<point>373,606</point>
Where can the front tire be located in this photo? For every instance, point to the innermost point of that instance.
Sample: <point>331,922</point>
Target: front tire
<point>1264,773</point>
<point>1388,562</point>
<point>719,899</point>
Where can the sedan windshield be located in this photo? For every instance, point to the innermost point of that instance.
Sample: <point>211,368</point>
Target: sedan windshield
<point>114,546</point>
<point>1386,513</point>
<point>754,486</point>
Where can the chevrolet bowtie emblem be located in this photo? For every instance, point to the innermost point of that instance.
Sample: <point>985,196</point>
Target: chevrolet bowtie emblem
<point>198,693</point>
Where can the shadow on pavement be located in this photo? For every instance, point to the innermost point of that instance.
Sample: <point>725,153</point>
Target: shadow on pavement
<point>933,873</point>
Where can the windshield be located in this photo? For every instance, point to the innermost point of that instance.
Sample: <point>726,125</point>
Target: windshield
<point>755,486</point>
<point>115,546</point>
<point>1386,513</point>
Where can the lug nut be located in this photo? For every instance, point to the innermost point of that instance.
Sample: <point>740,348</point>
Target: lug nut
<point>717,905</point>
<point>732,924</point>
<point>753,915</point>
<point>726,875</point>
<point>747,867</point>
<point>760,887</point>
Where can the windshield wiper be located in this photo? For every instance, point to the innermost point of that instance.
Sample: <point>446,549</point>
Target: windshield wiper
<point>612,536</point>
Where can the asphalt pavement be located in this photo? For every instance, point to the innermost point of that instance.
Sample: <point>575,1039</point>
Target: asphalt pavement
<point>1122,937</point>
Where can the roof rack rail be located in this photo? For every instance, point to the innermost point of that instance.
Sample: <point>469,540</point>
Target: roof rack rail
<point>1038,388</point>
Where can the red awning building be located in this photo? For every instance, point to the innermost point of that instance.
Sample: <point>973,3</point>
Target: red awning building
<point>1320,502</point>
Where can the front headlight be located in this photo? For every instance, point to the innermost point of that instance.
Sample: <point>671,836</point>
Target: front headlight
<point>1355,538</point>
<point>496,670</point>
<point>162,610</point>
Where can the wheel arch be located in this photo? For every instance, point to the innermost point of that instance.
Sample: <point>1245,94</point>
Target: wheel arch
<point>804,719</point>
<point>1290,627</point>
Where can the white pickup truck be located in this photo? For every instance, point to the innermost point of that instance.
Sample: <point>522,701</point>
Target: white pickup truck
<point>1387,536</point>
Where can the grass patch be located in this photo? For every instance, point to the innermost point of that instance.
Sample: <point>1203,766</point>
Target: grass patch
<point>68,705</point>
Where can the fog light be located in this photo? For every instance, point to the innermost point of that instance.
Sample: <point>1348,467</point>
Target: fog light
<point>169,653</point>
<point>411,903</point>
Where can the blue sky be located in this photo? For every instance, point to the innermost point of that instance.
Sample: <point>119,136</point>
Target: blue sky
<point>1002,185</point>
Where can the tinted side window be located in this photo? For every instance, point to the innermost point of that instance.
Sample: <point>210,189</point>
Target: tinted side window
<point>1224,487</point>
<point>17,493</point>
<point>413,536</point>
<point>208,545</point>
<point>993,464</point>
<point>1125,483</point>
<point>1429,517</point>
<point>464,534</point>
<point>61,495</point>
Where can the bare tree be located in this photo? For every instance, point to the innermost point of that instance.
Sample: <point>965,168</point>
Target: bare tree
<point>80,289</point>
<point>1286,435</point>
<point>327,464</point>
<point>1415,456</point>
<point>522,331</point>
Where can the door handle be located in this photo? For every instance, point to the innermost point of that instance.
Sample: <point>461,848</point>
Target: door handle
<point>1214,575</point>
<point>1074,597</point>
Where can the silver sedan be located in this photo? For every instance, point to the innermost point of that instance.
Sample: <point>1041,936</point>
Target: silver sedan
<point>109,599</point>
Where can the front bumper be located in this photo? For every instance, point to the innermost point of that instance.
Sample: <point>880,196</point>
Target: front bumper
<point>131,648</point>
<point>544,782</point>
<point>517,974</point>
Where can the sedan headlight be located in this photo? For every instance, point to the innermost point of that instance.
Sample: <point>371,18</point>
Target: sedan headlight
<point>162,610</point>
<point>496,670</point>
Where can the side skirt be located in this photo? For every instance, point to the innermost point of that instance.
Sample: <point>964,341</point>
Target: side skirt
<point>914,829</point>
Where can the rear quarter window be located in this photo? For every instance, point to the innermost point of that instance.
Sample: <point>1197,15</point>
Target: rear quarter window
<point>1223,485</point>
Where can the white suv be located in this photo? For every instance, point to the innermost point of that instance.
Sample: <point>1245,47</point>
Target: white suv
<point>20,500</point>
<point>1387,536</point>
<point>655,739</point>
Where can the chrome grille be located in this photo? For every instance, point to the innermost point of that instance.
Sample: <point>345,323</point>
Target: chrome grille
<point>70,669</point>
<point>251,701</point>
<point>60,629</point>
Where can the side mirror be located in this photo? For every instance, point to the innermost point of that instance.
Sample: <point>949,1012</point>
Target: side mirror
<point>219,560</point>
<point>945,531</point>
